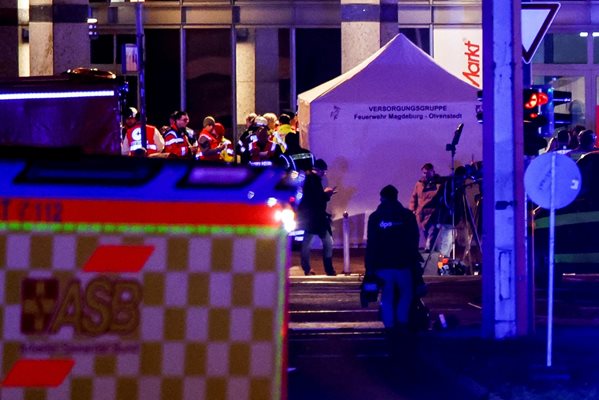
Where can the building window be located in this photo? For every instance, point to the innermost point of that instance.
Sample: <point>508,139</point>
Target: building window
<point>319,56</point>
<point>102,50</point>
<point>208,75</point>
<point>421,37</point>
<point>162,78</point>
<point>562,48</point>
<point>574,85</point>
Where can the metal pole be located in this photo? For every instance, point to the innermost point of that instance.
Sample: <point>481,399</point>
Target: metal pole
<point>234,18</point>
<point>453,229</point>
<point>346,264</point>
<point>551,261</point>
<point>293,70</point>
<point>182,69</point>
<point>141,73</point>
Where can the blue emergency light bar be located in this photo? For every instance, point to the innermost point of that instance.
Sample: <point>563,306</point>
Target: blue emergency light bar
<point>57,95</point>
<point>55,174</point>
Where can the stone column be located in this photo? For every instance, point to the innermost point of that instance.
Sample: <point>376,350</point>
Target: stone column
<point>9,32</point>
<point>508,291</point>
<point>366,25</point>
<point>246,73</point>
<point>267,70</point>
<point>58,35</point>
<point>389,21</point>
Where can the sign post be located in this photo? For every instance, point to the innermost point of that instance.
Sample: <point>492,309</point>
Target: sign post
<point>141,64</point>
<point>543,176</point>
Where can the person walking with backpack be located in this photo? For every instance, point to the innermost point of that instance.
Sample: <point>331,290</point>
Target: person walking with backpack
<point>391,254</point>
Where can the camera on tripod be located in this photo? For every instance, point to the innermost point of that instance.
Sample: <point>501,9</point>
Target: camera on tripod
<point>457,237</point>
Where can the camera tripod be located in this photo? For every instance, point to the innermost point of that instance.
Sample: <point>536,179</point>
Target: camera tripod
<point>468,221</point>
<point>451,204</point>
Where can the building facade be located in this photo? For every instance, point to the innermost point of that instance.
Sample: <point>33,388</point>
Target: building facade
<point>227,58</point>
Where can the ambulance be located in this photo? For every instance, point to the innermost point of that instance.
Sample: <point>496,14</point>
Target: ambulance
<point>126,278</point>
<point>79,109</point>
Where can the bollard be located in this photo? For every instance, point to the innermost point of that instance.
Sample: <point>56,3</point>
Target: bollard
<point>346,268</point>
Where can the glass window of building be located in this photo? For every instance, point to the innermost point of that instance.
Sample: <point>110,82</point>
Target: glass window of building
<point>208,76</point>
<point>421,37</point>
<point>162,78</point>
<point>319,56</point>
<point>102,49</point>
<point>562,48</point>
<point>573,84</point>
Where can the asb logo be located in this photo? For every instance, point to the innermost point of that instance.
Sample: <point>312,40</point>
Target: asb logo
<point>102,306</point>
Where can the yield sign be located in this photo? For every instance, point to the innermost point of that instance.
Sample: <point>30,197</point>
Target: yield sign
<point>536,18</point>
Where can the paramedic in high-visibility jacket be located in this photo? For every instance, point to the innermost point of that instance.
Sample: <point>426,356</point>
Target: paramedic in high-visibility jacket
<point>209,141</point>
<point>177,144</point>
<point>132,145</point>
<point>391,254</point>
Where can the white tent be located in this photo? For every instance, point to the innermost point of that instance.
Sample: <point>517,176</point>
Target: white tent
<point>378,123</point>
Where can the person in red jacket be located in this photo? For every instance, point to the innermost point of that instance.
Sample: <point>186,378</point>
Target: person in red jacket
<point>209,142</point>
<point>175,137</point>
<point>263,150</point>
<point>227,154</point>
<point>132,144</point>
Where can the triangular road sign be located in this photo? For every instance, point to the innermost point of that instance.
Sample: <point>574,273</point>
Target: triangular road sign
<point>536,19</point>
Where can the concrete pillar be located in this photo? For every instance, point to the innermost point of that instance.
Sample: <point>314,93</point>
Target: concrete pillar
<point>58,35</point>
<point>267,70</point>
<point>9,32</point>
<point>505,279</point>
<point>246,73</point>
<point>366,25</point>
<point>24,59</point>
<point>257,71</point>
<point>389,21</point>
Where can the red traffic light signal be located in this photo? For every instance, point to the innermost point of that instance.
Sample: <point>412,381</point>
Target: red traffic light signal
<point>535,99</point>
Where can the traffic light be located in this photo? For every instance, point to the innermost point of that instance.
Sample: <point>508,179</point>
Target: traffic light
<point>537,115</point>
<point>547,99</point>
<point>536,111</point>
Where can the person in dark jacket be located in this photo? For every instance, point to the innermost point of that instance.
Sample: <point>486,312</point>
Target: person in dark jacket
<point>314,219</point>
<point>242,148</point>
<point>391,254</point>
